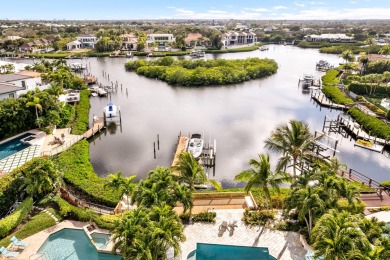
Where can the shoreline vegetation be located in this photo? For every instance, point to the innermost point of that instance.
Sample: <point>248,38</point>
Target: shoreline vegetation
<point>63,55</point>
<point>203,73</point>
<point>338,48</point>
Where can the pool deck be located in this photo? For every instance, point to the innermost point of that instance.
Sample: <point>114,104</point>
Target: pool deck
<point>282,245</point>
<point>36,241</point>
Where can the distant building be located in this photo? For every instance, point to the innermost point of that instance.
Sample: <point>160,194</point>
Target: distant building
<point>129,41</point>
<point>8,90</point>
<point>19,83</point>
<point>236,38</point>
<point>83,41</point>
<point>329,38</point>
<point>161,38</point>
<point>87,40</point>
<point>270,29</point>
<point>41,45</point>
<point>197,39</point>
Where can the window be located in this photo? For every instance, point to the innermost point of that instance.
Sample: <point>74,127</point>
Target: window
<point>11,95</point>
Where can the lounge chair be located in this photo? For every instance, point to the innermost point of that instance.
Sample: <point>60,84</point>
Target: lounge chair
<point>222,228</point>
<point>4,252</point>
<point>17,242</point>
<point>232,226</point>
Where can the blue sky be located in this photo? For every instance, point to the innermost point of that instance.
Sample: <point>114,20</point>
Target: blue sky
<point>195,9</point>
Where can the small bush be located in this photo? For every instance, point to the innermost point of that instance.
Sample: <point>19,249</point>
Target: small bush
<point>258,217</point>
<point>8,223</point>
<point>288,225</point>
<point>331,78</point>
<point>205,216</point>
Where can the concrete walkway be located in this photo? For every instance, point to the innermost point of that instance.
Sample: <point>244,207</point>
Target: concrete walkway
<point>281,245</point>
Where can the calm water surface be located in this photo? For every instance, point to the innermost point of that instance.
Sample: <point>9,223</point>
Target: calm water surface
<point>240,117</point>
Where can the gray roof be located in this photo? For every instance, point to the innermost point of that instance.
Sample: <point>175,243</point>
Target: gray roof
<point>12,77</point>
<point>8,88</point>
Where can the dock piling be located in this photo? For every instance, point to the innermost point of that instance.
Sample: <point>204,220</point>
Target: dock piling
<point>158,141</point>
<point>154,149</point>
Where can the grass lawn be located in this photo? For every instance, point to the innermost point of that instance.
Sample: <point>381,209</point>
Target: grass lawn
<point>36,224</point>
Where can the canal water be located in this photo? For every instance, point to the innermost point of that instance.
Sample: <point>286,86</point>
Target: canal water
<point>239,117</point>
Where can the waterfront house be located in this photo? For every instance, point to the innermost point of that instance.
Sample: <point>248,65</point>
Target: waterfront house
<point>237,38</point>
<point>83,41</point>
<point>74,45</point>
<point>87,40</point>
<point>197,39</point>
<point>160,38</point>
<point>25,81</point>
<point>329,37</point>
<point>8,90</point>
<point>41,45</point>
<point>129,41</point>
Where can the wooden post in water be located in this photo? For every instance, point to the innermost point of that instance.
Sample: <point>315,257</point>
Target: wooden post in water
<point>154,149</point>
<point>104,119</point>
<point>121,86</point>
<point>335,148</point>
<point>120,118</point>
<point>158,141</point>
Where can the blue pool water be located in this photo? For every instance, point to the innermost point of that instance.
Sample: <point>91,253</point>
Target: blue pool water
<point>228,252</point>
<point>13,146</point>
<point>72,244</point>
<point>101,240</point>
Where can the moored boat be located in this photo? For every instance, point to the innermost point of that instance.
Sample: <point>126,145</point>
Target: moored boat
<point>197,54</point>
<point>195,145</point>
<point>110,110</point>
<point>264,48</point>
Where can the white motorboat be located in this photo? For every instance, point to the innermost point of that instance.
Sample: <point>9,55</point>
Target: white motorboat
<point>110,110</point>
<point>197,54</point>
<point>77,66</point>
<point>263,48</point>
<point>195,145</point>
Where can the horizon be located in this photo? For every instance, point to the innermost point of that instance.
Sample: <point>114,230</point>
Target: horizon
<point>98,10</point>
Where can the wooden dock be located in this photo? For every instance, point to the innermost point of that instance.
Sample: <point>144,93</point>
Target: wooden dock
<point>323,101</point>
<point>181,146</point>
<point>98,125</point>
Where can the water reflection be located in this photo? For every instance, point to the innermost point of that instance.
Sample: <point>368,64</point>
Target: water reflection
<point>240,116</point>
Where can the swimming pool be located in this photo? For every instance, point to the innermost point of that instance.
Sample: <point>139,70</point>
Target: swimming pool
<point>101,240</point>
<point>72,244</point>
<point>13,146</point>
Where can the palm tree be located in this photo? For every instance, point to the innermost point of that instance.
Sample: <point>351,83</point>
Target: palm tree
<point>40,177</point>
<point>147,233</point>
<point>36,103</point>
<point>337,235</point>
<point>293,142</point>
<point>161,188</point>
<point>385,50</point>
<point>260,175</point>
<point>118,182</point>
<point>348,56</point>
<point>191,172</point>
<point>370,42</point>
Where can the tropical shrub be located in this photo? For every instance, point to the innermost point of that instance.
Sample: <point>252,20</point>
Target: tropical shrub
<point>200,72</point>
<point>9,186</point>
<point>355,49</point>
<point>375,126</point>
<point>79,173</point>
<point>331,77</point>
<point>81,122</point>
<point>260,217</point>
<point>378,67</point>
<point>8,223</point>
<point>204,216</point>
<point>336,95</point>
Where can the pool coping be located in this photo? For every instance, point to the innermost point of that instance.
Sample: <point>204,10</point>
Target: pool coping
<point>36,241</point>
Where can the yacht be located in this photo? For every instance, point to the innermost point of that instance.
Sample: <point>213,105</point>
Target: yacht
<point>195,145</point>
<point>197,54</point>
<point>110,110</point>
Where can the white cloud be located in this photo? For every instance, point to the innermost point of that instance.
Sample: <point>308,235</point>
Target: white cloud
<point>353,2</point>
<point>257,9</point>
<point>316,3</point>
<point>299,4</point>
<point>280,7</point>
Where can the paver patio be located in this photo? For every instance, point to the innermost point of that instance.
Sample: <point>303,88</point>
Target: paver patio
<point>282,245</point>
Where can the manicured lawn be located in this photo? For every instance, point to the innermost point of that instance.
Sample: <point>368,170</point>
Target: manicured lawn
<point>37,223</point>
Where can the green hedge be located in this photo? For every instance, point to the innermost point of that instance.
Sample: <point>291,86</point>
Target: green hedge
<point>331,78</point>
<point>9,186</point>
<point>336,95</point>
<point>68,211</point>
<point>355,49</point>
<point>376,126</point>
<point>79,173</point>
<point>81,122</point>
<point>201,72</point>
<point>10,222</point>
<point>366,89</point>
<point>260,217</point>
<point>38,223</point>
<point>234,50</point>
